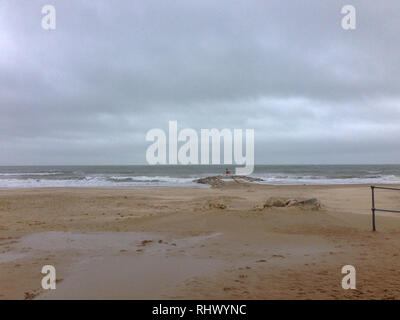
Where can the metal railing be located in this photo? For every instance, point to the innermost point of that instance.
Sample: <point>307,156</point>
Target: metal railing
<point>373,209</point>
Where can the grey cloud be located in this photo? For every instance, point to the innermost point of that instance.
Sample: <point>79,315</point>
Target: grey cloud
<point>88,92</point>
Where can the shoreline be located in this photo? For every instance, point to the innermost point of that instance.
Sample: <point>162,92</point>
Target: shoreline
<point>204,186</point>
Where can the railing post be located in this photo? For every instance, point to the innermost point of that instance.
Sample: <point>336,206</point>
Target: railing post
<point>373,208</point>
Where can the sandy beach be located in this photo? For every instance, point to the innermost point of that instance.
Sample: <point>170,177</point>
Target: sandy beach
<point>198,243</point>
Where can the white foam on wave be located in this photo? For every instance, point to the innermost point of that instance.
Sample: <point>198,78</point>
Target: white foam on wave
<point>116,181</point>
<point>99,182</point>
<point>282,179</point>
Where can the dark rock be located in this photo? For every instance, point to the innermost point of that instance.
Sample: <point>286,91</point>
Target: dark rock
<point>216,181</point>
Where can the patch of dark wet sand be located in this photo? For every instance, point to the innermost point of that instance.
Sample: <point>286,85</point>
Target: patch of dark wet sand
<point>117,265</point>
<point>130,277</point>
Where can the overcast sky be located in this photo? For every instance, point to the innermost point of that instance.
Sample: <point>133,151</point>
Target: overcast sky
<point>88,92</point>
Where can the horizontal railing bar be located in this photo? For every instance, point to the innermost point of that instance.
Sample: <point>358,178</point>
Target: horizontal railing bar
<point>373,209</point>
<point>388,188</point>
<point>386,210</point>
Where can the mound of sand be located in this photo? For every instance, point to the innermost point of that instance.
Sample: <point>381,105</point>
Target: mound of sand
<point>216,205</point>
<point>309,204</point>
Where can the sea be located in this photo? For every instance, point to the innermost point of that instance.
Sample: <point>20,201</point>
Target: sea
<point>183,175</point>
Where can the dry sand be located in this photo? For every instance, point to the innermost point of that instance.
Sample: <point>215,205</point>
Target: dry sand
<point>191,243</point>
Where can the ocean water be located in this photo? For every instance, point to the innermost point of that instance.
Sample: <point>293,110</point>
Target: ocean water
<point>181,176</point>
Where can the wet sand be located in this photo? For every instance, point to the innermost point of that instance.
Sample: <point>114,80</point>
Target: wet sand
<point>217,243</point>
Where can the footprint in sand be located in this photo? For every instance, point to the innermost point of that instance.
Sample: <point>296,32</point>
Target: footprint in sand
<point>228,289</point>
<point>146,242</point>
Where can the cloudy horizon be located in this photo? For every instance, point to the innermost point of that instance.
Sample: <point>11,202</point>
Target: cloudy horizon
<point>89,91</point>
